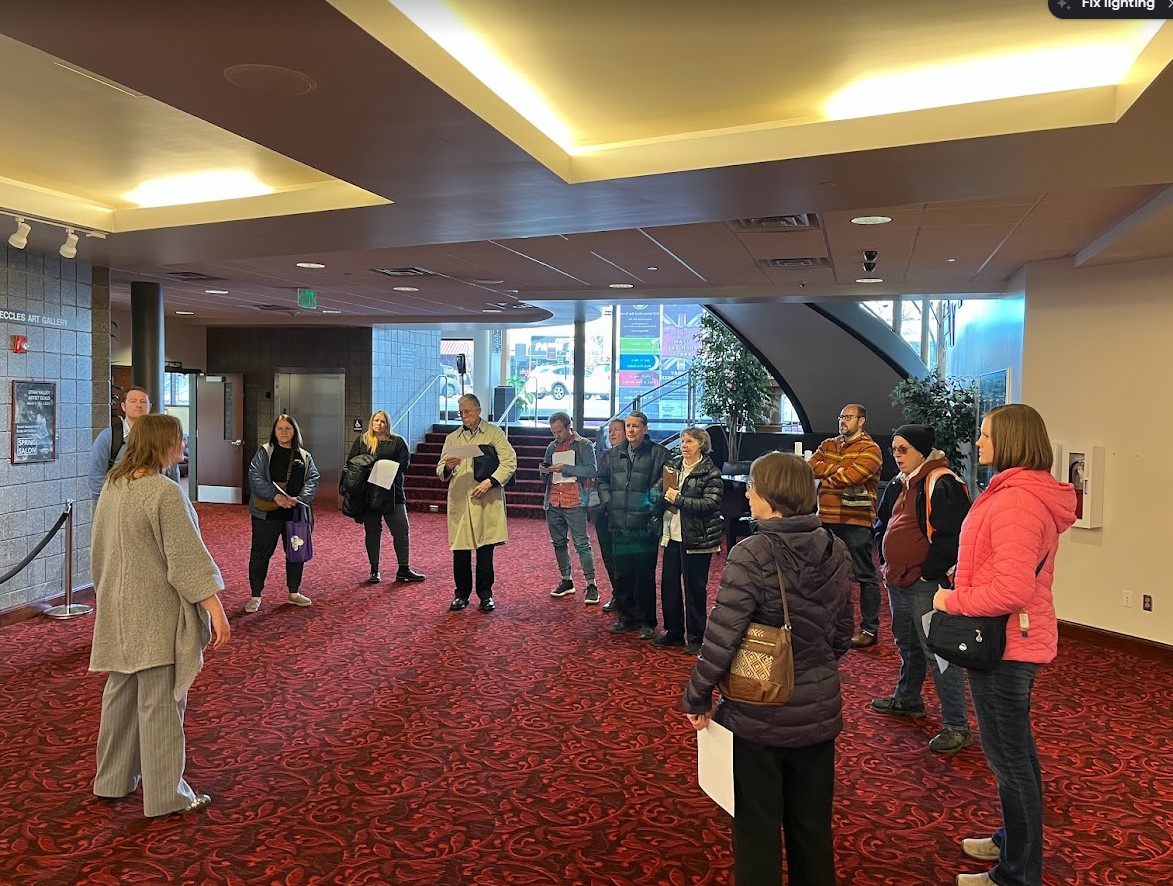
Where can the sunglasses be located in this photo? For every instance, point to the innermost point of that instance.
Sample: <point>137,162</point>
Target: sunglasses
<point>900,450</point>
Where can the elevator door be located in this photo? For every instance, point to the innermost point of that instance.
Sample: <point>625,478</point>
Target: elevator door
<point>316,400</point>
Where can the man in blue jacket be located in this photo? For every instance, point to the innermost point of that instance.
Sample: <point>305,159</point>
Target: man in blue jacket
<point>569,470</point>
<point>108,447</point>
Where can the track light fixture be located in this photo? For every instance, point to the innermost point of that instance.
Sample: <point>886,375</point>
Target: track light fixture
<point>20,237</point>
<point>69,247</point>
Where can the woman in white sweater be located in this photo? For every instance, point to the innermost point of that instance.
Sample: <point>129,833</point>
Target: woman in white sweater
<point>157,608</point>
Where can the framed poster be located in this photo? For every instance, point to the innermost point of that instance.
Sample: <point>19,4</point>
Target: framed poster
<point>34,422</point>
<point>993,390</point>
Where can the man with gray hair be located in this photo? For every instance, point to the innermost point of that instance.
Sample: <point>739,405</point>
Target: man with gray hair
<point>569,470</point>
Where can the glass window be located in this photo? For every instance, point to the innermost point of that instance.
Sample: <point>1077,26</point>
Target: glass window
<point>176,389</point>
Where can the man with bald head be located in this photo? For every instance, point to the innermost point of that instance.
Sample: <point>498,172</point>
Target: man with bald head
<point>848,470</point>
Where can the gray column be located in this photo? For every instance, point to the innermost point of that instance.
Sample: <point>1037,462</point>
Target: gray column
<point>579,413</point>
<point>146,342</point>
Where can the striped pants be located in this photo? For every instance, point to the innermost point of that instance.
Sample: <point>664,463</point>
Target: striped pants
<point>141,739</point>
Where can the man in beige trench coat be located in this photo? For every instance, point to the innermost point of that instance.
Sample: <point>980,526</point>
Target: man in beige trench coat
<point>476,509</point>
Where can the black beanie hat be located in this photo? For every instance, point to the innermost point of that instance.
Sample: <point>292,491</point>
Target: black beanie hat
<point>921,437</point>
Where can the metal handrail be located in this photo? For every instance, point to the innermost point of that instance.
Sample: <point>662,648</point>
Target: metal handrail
<point>663,389</point>
<point>505,419</point>
<point>428,385</point>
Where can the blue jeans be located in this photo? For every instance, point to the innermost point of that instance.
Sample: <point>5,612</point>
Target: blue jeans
<point>1001,698</point>
<point>909,606</point>
<point>572,521</point>
<point>859,544</point>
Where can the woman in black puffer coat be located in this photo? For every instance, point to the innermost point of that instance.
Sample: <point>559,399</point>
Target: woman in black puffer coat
<point>693,528</point>
<point>783,755</point>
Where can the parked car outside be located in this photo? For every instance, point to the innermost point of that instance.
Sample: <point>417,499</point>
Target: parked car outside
<point>558,382</point>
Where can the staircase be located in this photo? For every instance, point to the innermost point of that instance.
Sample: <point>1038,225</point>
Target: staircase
<point>523,498</point>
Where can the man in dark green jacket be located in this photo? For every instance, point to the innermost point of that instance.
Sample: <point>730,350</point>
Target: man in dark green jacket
<point>628,478</point>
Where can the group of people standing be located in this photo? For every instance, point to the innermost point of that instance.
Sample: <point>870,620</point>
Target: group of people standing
<point>643,500</point>
<point>993,558</point>
<point>157,588</point>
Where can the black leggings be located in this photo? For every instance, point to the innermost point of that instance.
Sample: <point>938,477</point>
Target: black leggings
<point>397,525</point>
<point>266,534</point>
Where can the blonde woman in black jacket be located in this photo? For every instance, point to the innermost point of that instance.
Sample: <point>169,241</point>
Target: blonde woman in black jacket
<point>783,755</point>
<point>693,528</point>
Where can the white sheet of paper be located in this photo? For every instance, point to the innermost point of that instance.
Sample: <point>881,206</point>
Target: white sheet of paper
<point>564,458</point>
<point>383,473</point>
<point>714,764</point>
<point>926,619</point>
<point>469,450</point>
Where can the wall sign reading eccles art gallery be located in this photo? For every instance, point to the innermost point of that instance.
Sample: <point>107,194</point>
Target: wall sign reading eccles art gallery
<point>34,422</point>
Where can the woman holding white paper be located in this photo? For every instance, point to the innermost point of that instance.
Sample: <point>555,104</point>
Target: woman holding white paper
<point>783,755</point>
<point>386,505</point>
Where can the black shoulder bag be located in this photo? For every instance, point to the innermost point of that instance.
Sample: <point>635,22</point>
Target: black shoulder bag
<point>970,641</point>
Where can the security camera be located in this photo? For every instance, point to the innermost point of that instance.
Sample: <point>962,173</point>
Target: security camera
<point>869,266</point>
<point>870,255</point>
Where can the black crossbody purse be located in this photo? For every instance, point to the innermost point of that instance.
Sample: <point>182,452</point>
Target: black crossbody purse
<point>970,641</point>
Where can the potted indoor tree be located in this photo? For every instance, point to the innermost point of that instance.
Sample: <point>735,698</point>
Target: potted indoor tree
<point>949,406</point>
<point>735,386</point>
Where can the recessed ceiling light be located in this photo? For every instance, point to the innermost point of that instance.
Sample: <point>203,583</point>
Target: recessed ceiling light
<point>486,282</point>
<point>186,313</point>
<point>870,280</point>
<point>315,265</point>
<point>328,311</point>
<point>406,288</point>
<point>650,268</point>
<point>490,310</point>
<point>216,291</point>
<point>950,259</point>
<point>870,220</point>
<point>621,285</point>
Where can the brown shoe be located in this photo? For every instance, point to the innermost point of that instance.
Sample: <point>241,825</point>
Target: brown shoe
<point>863,639</point>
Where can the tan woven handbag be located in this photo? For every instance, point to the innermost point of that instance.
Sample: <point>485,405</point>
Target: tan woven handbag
<point>762,671</point>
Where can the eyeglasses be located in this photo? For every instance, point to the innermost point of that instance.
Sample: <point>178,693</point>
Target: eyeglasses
<point>749,483</point>
<point>900,450</point>
<point>848,417</point>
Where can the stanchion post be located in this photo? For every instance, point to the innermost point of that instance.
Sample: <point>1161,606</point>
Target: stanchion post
<point>69,609</point>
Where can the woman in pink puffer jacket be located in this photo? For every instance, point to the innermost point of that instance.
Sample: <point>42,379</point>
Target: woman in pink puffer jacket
<point>1005,564</point>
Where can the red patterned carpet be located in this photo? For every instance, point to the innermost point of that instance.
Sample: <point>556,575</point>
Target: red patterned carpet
<point>375,738</point>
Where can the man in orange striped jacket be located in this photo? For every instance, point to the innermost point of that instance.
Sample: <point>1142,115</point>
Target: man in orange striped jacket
<point>848,470</point>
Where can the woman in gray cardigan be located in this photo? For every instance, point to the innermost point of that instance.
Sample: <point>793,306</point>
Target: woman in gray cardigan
<point>156,587</point>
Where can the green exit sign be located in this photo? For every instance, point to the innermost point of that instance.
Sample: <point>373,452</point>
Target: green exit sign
<point>307,298</point>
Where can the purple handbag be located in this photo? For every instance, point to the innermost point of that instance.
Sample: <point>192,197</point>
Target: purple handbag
<point>299,544</point>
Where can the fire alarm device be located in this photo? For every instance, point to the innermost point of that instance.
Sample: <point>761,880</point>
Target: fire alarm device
<point>20,344</point>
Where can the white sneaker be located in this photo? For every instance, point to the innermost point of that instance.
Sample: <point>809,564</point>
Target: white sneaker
<point>981,849</point>
<point>982,879</point>
<point>299,600</point>
<point>253,604</point>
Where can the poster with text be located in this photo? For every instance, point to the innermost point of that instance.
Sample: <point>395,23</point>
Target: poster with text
<point>34,422</point>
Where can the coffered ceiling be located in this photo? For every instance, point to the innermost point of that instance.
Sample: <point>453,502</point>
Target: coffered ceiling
<point>513,160</point>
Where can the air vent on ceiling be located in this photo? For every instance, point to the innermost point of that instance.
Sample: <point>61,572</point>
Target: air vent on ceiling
<point>800,222</point>
<point>192,276</point>
<point>403,272</point>
<point>791,264</point>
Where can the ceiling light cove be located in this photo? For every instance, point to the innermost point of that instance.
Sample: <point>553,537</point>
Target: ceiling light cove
<point>452,34</point>
<point>1037,71</point>
<point>198,187</point>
